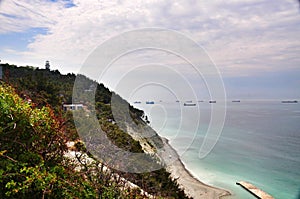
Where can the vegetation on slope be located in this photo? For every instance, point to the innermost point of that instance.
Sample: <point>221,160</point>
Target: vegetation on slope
<point>34,130</point>
<point>32,162</point>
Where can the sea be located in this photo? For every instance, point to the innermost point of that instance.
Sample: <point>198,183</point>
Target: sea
<point>259,143</point>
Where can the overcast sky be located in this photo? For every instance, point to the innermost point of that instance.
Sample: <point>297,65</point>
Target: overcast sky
<point>255,44</point>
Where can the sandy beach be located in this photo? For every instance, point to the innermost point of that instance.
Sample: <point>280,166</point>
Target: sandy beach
<point>192,186</point>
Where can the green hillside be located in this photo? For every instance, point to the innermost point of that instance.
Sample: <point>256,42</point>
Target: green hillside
<point>34,131</point>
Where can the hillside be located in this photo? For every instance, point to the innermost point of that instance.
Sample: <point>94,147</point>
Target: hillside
<point>44,92</point>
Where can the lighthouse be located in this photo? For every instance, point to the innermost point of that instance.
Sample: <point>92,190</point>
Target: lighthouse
<point>47,65</point>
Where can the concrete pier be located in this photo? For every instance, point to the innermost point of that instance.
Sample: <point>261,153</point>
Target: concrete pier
<point>254,190</point>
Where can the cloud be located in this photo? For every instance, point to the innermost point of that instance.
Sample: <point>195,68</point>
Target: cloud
<point>18,16</point>
<point>242,37</point>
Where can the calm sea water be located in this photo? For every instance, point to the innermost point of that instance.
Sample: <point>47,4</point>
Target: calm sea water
<point>260,143</point>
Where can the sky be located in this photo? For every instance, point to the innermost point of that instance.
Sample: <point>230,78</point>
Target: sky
<point>254,44</point>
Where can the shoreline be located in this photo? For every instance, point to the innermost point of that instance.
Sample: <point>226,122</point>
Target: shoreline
<point>192,186</point>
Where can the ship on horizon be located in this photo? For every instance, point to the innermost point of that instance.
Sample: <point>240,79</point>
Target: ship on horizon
<point>149,102</point>
<point>189,104</point>
<point>289,101</point>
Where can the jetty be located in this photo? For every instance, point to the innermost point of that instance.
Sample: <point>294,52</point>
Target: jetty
<point>258,193</point>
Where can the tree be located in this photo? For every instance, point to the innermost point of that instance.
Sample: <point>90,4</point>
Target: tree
<point>32,161</point>
<point>33,136</point>
<point>32,146</point>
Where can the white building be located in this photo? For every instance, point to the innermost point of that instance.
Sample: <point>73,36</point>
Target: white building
<point>73,107</point>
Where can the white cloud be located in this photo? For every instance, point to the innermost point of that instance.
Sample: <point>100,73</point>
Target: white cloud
<point>21,15</point>
<point>241,36</point>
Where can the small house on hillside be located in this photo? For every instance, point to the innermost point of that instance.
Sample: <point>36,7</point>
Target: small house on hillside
<point>92,88</point>
<point>73,107</point>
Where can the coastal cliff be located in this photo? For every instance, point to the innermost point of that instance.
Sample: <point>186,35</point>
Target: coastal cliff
<point>39,88</point>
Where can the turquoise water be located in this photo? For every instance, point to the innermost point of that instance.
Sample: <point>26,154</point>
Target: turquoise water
<point>260,143</point>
